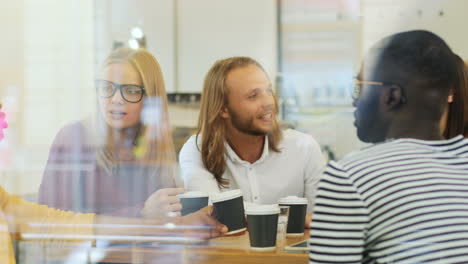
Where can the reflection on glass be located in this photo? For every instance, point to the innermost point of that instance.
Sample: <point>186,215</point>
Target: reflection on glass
<point>117,158</point>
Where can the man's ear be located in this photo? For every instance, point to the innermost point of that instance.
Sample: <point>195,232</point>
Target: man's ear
<point>393,97</point>
<point>224,112</point>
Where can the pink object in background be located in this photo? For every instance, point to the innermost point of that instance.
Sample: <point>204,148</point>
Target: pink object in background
<point>3,124</point>
<point>5,153</point>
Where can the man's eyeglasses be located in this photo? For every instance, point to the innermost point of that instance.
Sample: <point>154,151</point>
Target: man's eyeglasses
<point>130,92</point>
<point>358,84</point>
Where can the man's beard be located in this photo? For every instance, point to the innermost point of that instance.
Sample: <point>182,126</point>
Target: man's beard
<point>246,126</point>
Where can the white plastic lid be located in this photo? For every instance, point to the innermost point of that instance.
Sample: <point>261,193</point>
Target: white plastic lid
<point>223,196</point>
<point>193,194</point>
<point>293,200</point>
<point>266,209</point>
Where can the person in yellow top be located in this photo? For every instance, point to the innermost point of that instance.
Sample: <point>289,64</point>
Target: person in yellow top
<point>18,217</point>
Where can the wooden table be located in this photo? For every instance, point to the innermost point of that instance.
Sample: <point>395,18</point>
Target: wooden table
<point>228,249</point>
<point>232,249</point>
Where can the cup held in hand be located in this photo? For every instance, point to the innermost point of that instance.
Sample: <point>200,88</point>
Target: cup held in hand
<point>192,201</point>
<point>228,208</point>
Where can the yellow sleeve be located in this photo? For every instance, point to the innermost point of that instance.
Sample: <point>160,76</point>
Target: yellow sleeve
<point>30,219</point>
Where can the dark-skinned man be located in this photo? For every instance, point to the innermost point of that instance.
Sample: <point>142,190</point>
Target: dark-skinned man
<point>404,199</point>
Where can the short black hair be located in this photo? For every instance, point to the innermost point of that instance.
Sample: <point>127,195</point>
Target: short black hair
<point>421,55</point>
<point>426,68</point>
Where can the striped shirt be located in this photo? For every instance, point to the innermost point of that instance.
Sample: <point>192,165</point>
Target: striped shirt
<point>404,201</point>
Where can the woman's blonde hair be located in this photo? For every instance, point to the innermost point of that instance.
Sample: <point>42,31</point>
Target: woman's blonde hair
<point>211,125</point>
<point>152,144</point>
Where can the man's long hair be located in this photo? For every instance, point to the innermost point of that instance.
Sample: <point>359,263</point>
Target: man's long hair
<point>211,126</point>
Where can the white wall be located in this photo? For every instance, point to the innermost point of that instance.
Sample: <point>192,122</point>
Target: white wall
<point>210,30</point>
<point>154,17</point>
<point>48,82</point>
<point>188,36</point>
<point>384,17</point>
<point>11,52</point>
<point>59,68</point>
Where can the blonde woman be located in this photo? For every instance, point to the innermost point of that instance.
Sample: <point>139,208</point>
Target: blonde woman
<point>112,165</point>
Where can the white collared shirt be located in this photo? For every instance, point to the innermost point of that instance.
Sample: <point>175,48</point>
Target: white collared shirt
<point>293,171</point>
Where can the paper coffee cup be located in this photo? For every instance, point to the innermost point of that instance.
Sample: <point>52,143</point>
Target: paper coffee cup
<point>262,221</point>
<point>228,208</point>
<point>193,201</point>
<point>297,213</point>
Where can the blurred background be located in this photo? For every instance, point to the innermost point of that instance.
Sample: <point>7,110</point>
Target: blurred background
<point>50,51</point>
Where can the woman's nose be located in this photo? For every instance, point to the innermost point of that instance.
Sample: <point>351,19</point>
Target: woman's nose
<point>117,98</point>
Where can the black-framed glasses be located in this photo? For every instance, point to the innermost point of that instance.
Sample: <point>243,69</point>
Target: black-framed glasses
<point>357,89</point>
<point>131,93</point>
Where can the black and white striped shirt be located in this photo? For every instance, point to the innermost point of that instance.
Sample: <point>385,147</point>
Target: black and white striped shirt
<point>404,201</point>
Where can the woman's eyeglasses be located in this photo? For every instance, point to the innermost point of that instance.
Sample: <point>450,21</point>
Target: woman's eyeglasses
<point>130,92</point>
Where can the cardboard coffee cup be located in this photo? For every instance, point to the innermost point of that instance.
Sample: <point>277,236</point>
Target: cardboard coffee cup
<point>297,213</point>
<point>193,201</point>
<point>262,223</point>
<point>228,208</point>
